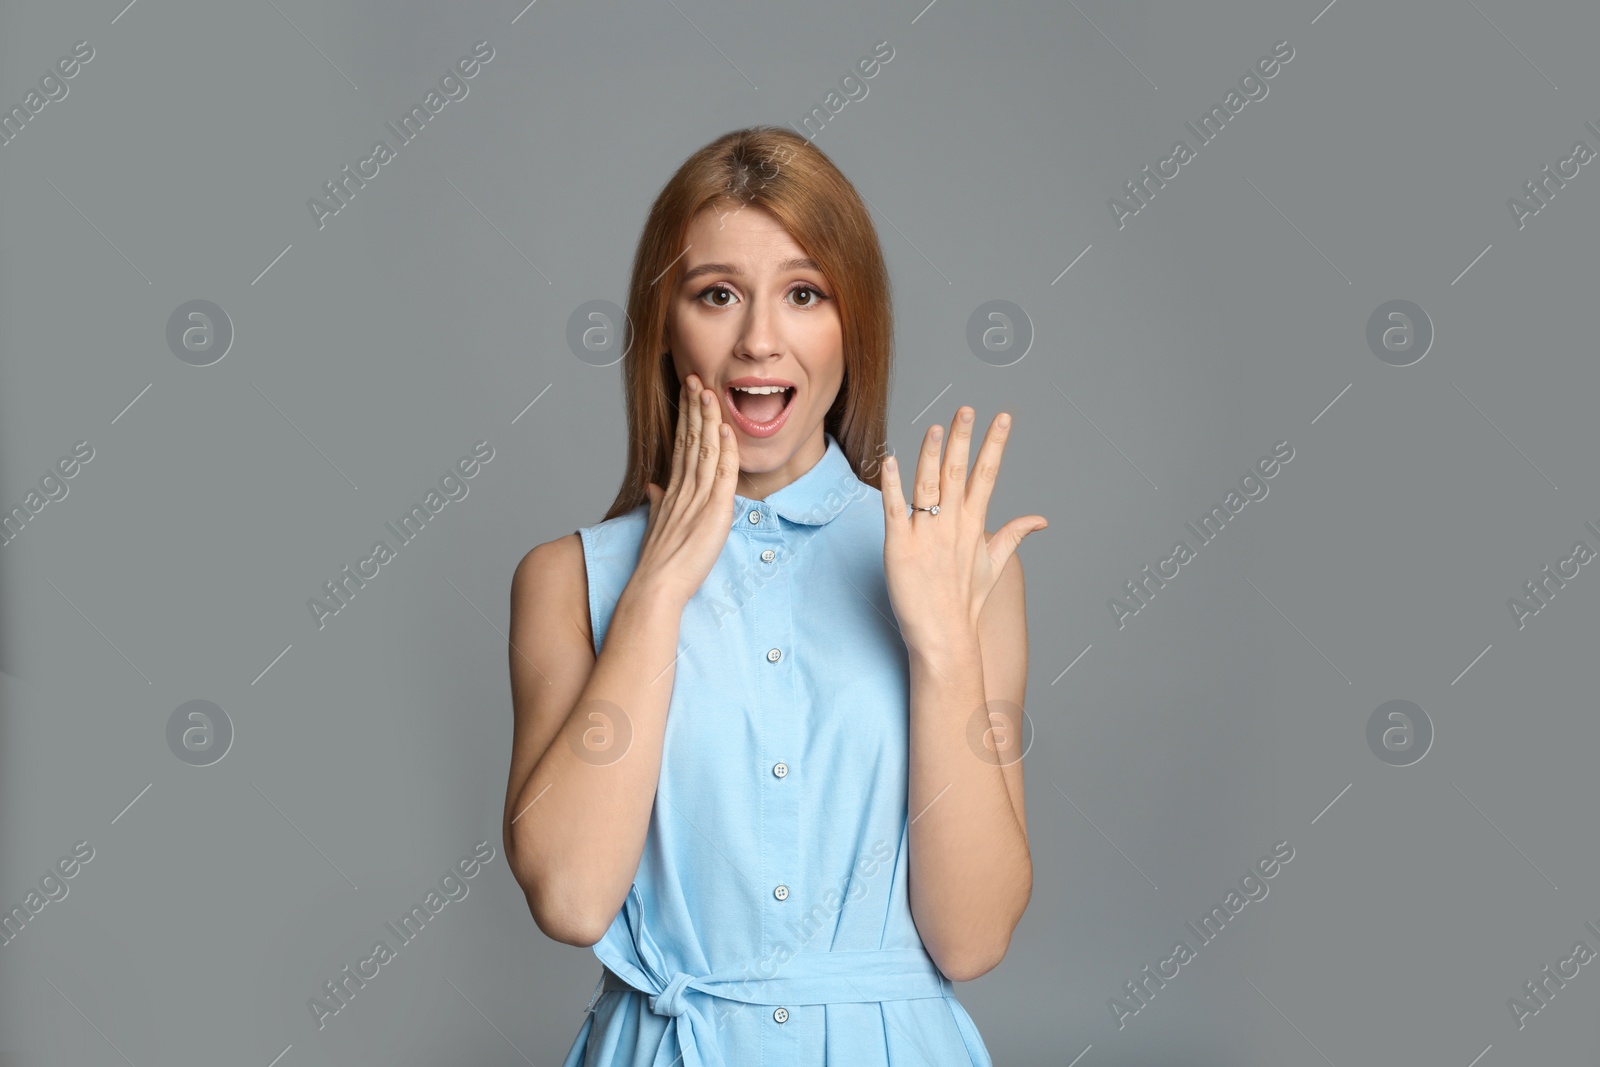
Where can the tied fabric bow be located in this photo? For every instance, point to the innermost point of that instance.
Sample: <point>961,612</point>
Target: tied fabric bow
<point>670,1001</point>
<point>846,977</point>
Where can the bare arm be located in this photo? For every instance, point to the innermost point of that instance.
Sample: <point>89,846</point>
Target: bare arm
<point>576,816</point>
<point>957,592</point>
<point>971,870</point>
<point>586,747</point>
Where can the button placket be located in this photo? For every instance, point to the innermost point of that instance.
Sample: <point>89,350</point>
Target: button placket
<point>774,631</point>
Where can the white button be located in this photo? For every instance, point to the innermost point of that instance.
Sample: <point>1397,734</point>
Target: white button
<point>780,769</point>
<point>755,516</point>
<point>767,556</point>
<point>773,655</point>
<point>781,1015</point>
<point>782,892</point>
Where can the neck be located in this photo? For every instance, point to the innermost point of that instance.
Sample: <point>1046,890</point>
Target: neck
<point>758,485</point>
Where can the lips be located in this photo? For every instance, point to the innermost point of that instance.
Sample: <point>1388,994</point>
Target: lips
<point>749,425</point>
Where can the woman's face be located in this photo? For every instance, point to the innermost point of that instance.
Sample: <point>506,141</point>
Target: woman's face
<point>750,309</point>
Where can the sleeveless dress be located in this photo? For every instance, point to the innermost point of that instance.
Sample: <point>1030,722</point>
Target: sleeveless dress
<point>769,923</point>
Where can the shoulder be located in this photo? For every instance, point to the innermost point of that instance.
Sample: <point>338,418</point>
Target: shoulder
<point>571,555</point>
<point>542,562</point>
<point>552,575</point>
<point>617,536</point>
<point>562,564</point>
<point>566,574</point>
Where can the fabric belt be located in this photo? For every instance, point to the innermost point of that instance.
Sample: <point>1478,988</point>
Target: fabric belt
<point>846,977</point>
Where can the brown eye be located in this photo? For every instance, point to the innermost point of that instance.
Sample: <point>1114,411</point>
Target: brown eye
<point>816,295</point>
<point>709,290</point>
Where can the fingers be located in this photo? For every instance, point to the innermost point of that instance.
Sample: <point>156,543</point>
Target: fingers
<point>710,441</point>
<point>894,499</point>
<point>953,474</point>
<point>986,468</point>
<point>1005,541</point>
<point>696,419</point>
<point>925,489</point>
<point>727,461</point>
<point>680,439</point>
<point>702,457</point>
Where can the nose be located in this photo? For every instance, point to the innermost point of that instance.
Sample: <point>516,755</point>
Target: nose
<point>759,340</point>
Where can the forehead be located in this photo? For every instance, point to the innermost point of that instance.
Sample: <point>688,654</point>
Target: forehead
<point>729,232</point>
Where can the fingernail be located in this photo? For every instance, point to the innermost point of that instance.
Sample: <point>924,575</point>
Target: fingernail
<point>705,398</point>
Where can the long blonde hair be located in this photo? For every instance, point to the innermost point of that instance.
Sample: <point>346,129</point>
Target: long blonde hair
<point>777,170</point>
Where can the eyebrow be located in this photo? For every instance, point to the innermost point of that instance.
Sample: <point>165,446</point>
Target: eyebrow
<point>786,266</point>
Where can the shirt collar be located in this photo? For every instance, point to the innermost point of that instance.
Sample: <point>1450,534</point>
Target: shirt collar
<point>814,498</point>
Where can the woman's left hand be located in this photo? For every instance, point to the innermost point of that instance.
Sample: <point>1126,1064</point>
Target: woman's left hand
<point>941,568</point>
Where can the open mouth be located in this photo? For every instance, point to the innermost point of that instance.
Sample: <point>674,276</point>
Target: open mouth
<point>759,413</point>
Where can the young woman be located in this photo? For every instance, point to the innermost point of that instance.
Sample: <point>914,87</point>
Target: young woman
<point>767,754</point>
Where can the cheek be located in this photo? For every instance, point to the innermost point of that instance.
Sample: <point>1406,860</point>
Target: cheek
<point>698,338</point>
<point>836,369</point>
<point>824,342</point>
<point>684,359</point>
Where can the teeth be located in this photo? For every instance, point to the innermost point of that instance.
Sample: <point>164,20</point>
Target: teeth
<point>761,389</point>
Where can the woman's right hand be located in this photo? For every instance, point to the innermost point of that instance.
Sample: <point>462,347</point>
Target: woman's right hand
<point>690,519</point>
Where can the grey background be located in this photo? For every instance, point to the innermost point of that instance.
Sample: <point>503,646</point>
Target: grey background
<point>1228,315</point>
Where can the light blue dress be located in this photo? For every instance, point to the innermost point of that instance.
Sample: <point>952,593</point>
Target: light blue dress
<point>769,923</point>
